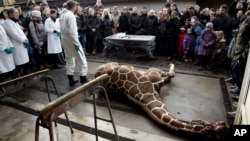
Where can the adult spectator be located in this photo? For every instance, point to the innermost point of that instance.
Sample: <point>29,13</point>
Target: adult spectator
<point>7,64</point>
<point>81,27</point>
<point>236,6</point>
<point>93,24</point>
<point>130,11</point>
<point>39,37</point>
<point>21,17</point>
<point>173,26</point>
<point>168,3</point>
<point>107,23</point>
<point>236,20</point>
<point>30,3</point>
<point>197,30</point>
<point>224,20</point>
<point>204,16</point>
<point>19,40</point>
<point>75,58</point>
<point>174,7</point>
<point>98,5</point>
<point>44,4</point>
<point>163,32</point>
<point>215,19</point>
<point>45,14</point>
<point>143,17</point>
<point>52,28</point>
<point>240,51</point>
<point>197,10</point>
<point>123,20</point>
<point>188,14</point>
<point>151,24</point>
<point>134,22</point>
<point>116,16</point>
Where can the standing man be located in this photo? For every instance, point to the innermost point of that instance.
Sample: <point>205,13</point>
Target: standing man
<point>241,47</point>
<point>75,57</point>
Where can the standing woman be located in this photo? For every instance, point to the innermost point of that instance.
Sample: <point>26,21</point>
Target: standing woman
<point>39,36</point>
<point>107,23</point>
<point>19,40</point>
<point>7,64</point>
<point>93,24</point>
<point>197,30</point>
<point>116,16</point>
<point>52,28</point>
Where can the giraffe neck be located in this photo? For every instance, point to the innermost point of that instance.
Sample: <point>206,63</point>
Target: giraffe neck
<point>143,89</point>
<point>156,109</point>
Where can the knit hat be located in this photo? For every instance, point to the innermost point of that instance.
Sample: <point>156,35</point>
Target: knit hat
<point>209,25</point>
<point>183,28</point>
<point>36,13</point>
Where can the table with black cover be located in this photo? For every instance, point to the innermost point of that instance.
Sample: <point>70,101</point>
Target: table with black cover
<point>143,42</point>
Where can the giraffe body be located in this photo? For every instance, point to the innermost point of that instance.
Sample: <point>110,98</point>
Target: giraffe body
<point>143,88</point>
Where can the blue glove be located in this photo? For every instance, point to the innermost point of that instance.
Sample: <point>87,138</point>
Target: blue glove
<point>30,49</point>
<point>26,43</point>
<point>9,50</point>
<point>77,47</point>
<point>59,34</point>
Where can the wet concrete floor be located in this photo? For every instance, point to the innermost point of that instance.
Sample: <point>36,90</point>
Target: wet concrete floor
<point>189,96</point>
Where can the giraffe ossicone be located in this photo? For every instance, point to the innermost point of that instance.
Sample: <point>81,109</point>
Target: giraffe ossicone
<point>143,88</point>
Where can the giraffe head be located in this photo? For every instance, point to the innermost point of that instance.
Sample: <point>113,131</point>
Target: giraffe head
<point>217,130</point>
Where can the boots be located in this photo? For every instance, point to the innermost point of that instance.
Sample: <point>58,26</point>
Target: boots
<point>72,82</point>
<point>83,79</point>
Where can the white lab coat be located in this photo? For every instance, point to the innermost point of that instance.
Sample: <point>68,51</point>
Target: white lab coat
<point>17,38</point>
<point>6,60</point>
<point>75,60</point>
<point>54,42</point>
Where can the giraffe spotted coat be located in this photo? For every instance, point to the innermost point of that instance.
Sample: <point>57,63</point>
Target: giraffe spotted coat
<point>143,88</point>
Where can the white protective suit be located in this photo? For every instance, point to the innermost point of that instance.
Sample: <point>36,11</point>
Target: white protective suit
<point>54,42</point>
<point>6,60</point>
<point>75,60</point>
<point>17,38</point>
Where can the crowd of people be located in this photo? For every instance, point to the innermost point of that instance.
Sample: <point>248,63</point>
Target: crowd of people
<point>212,38</point>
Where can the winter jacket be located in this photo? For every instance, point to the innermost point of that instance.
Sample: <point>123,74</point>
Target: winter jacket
<point>134,23</point>
<point>207,38</point>
<point>143,18</point>
<point>123,22</point>
<point>81,24</point>
<point>38,33</point>
<point>107,26</point>
<point>242,39</point>
<point>151,25</point>
<point>217,55</point>
<point>188,42</point>
<point>93,22</point>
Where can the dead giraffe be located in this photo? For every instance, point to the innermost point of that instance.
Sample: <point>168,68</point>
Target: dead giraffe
<point>143,88</point>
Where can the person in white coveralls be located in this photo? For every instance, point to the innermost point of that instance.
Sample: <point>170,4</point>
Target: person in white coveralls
<point>75,57</point>
<point>19,41</point>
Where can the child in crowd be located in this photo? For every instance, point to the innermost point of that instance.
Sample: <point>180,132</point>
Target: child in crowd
<point>180,40</point>
<point>188,46</point>
<point>217,55</point>
<point>207,42</point>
